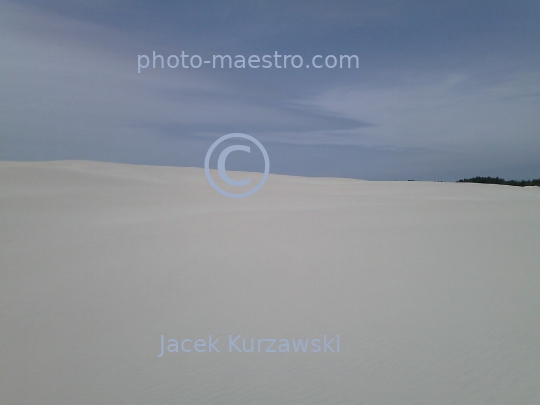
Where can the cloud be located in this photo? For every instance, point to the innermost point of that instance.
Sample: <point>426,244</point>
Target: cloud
<point>437,84</point>
<point>446,111</point>
<point>61,87</point>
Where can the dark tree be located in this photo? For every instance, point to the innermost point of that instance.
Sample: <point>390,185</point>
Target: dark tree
<point>498,180</point>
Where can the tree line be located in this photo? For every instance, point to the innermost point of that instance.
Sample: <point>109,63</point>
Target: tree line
<point>498,180</point>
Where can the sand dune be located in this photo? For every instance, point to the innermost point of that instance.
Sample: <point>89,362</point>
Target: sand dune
<point>433,289</point>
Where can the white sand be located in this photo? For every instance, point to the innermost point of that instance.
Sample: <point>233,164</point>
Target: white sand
<point>434,288</point>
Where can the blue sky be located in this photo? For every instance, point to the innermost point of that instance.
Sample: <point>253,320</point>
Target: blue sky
<point>445,89</point>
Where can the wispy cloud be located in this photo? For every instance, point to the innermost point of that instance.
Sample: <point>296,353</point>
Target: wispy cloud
<point>456,80</point>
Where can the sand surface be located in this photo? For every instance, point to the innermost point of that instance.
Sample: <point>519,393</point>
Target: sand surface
<point>433,288</point>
